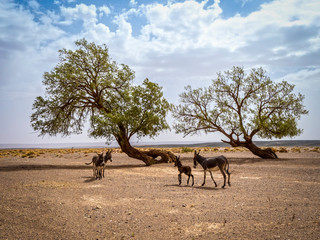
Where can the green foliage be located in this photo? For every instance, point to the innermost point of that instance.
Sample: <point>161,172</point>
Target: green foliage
<point>241,105</point>
<point>186,149</point>
<point>87,84</point>
<point>141,112</point>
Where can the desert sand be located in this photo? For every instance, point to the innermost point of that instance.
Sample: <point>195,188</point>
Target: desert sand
<point>52,195</point>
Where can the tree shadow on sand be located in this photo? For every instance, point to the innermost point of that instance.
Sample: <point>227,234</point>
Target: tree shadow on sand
<point>241,161</point>
<point>29,167</point>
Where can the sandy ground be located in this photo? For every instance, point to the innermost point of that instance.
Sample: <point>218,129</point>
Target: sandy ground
<point>55,197</point>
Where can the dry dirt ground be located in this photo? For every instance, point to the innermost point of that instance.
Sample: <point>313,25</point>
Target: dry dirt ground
<point>55,197</point>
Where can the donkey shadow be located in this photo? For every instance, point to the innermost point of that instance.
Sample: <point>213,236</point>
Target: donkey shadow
<point>197,187</point>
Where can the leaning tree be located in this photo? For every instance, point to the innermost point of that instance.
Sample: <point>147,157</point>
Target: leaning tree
<point>86,85</point>
<point>240,106</point>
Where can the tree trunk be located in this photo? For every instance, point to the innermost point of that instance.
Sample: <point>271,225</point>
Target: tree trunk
<point>166,156</point>
<point>263,153</point>
<point>148,157</point>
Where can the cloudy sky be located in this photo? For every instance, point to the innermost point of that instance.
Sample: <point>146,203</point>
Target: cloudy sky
<point>173,43</point>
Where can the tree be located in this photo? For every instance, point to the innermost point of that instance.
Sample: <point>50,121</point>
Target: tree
<point>87,85</point>
<point>241,106</point>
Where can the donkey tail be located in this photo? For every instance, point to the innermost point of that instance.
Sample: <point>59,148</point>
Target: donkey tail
<point>88,163</point>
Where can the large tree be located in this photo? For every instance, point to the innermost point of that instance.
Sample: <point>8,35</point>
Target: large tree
<point>241,105</point>
<point>86,85</point>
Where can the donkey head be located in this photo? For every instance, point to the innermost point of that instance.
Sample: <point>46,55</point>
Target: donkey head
<point>108,156</point>
<point>195,156</point>
<point>177,163</point>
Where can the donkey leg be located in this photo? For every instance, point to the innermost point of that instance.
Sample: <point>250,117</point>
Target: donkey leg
<point>96,173</point>
<point>99,174</point>
<point>227,171</point>
<point>213,179</point>
<point>228,178</point>
<point>188,179</point>
<point>224,177</point>
<point>179,178</point>
<point>204,179</point>
<point>192,180</point>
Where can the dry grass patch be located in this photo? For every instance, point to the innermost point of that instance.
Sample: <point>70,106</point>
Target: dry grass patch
<point>51,184</point>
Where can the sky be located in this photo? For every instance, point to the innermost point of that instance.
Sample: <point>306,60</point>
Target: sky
<point>173,43</point>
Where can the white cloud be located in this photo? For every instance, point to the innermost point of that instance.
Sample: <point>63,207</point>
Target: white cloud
<point>133,3</point>
<point>306,79</point>
<point>21,40</point>
<point>180,25</point>
<point>104,10</point>
<point>34,4</point>
<point>87,14</point>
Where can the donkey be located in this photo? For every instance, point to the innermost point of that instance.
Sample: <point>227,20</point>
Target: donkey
<point>99,163</point>
<point>183,169</point>
<point>212,164</point>
<point>96,162</point>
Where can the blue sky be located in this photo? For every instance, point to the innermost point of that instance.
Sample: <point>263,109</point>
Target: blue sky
<point>173,43</point>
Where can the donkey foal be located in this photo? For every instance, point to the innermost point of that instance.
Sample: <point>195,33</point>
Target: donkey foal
<point>183,169</point>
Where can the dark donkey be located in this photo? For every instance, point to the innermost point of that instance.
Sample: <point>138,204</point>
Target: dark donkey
<point>212,164</point>
<point>106,158</point>
<point>99,163</point>
<point>183,169</point>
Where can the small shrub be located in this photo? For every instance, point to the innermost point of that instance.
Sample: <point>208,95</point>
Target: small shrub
<point>186,150</point>
<point>315,149</point>
<point>227,149</point>
<point>283,150</point>
<point>296,149</point>
<point>215,149</point>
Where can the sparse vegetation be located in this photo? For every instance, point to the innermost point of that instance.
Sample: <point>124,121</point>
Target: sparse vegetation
<point>33,153</point>
<point>283,150</point>
<point>186,149</point>
<point>296,149</point>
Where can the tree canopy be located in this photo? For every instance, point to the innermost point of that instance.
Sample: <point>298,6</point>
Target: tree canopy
<point>240,106</point>
<point>86,85</point>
